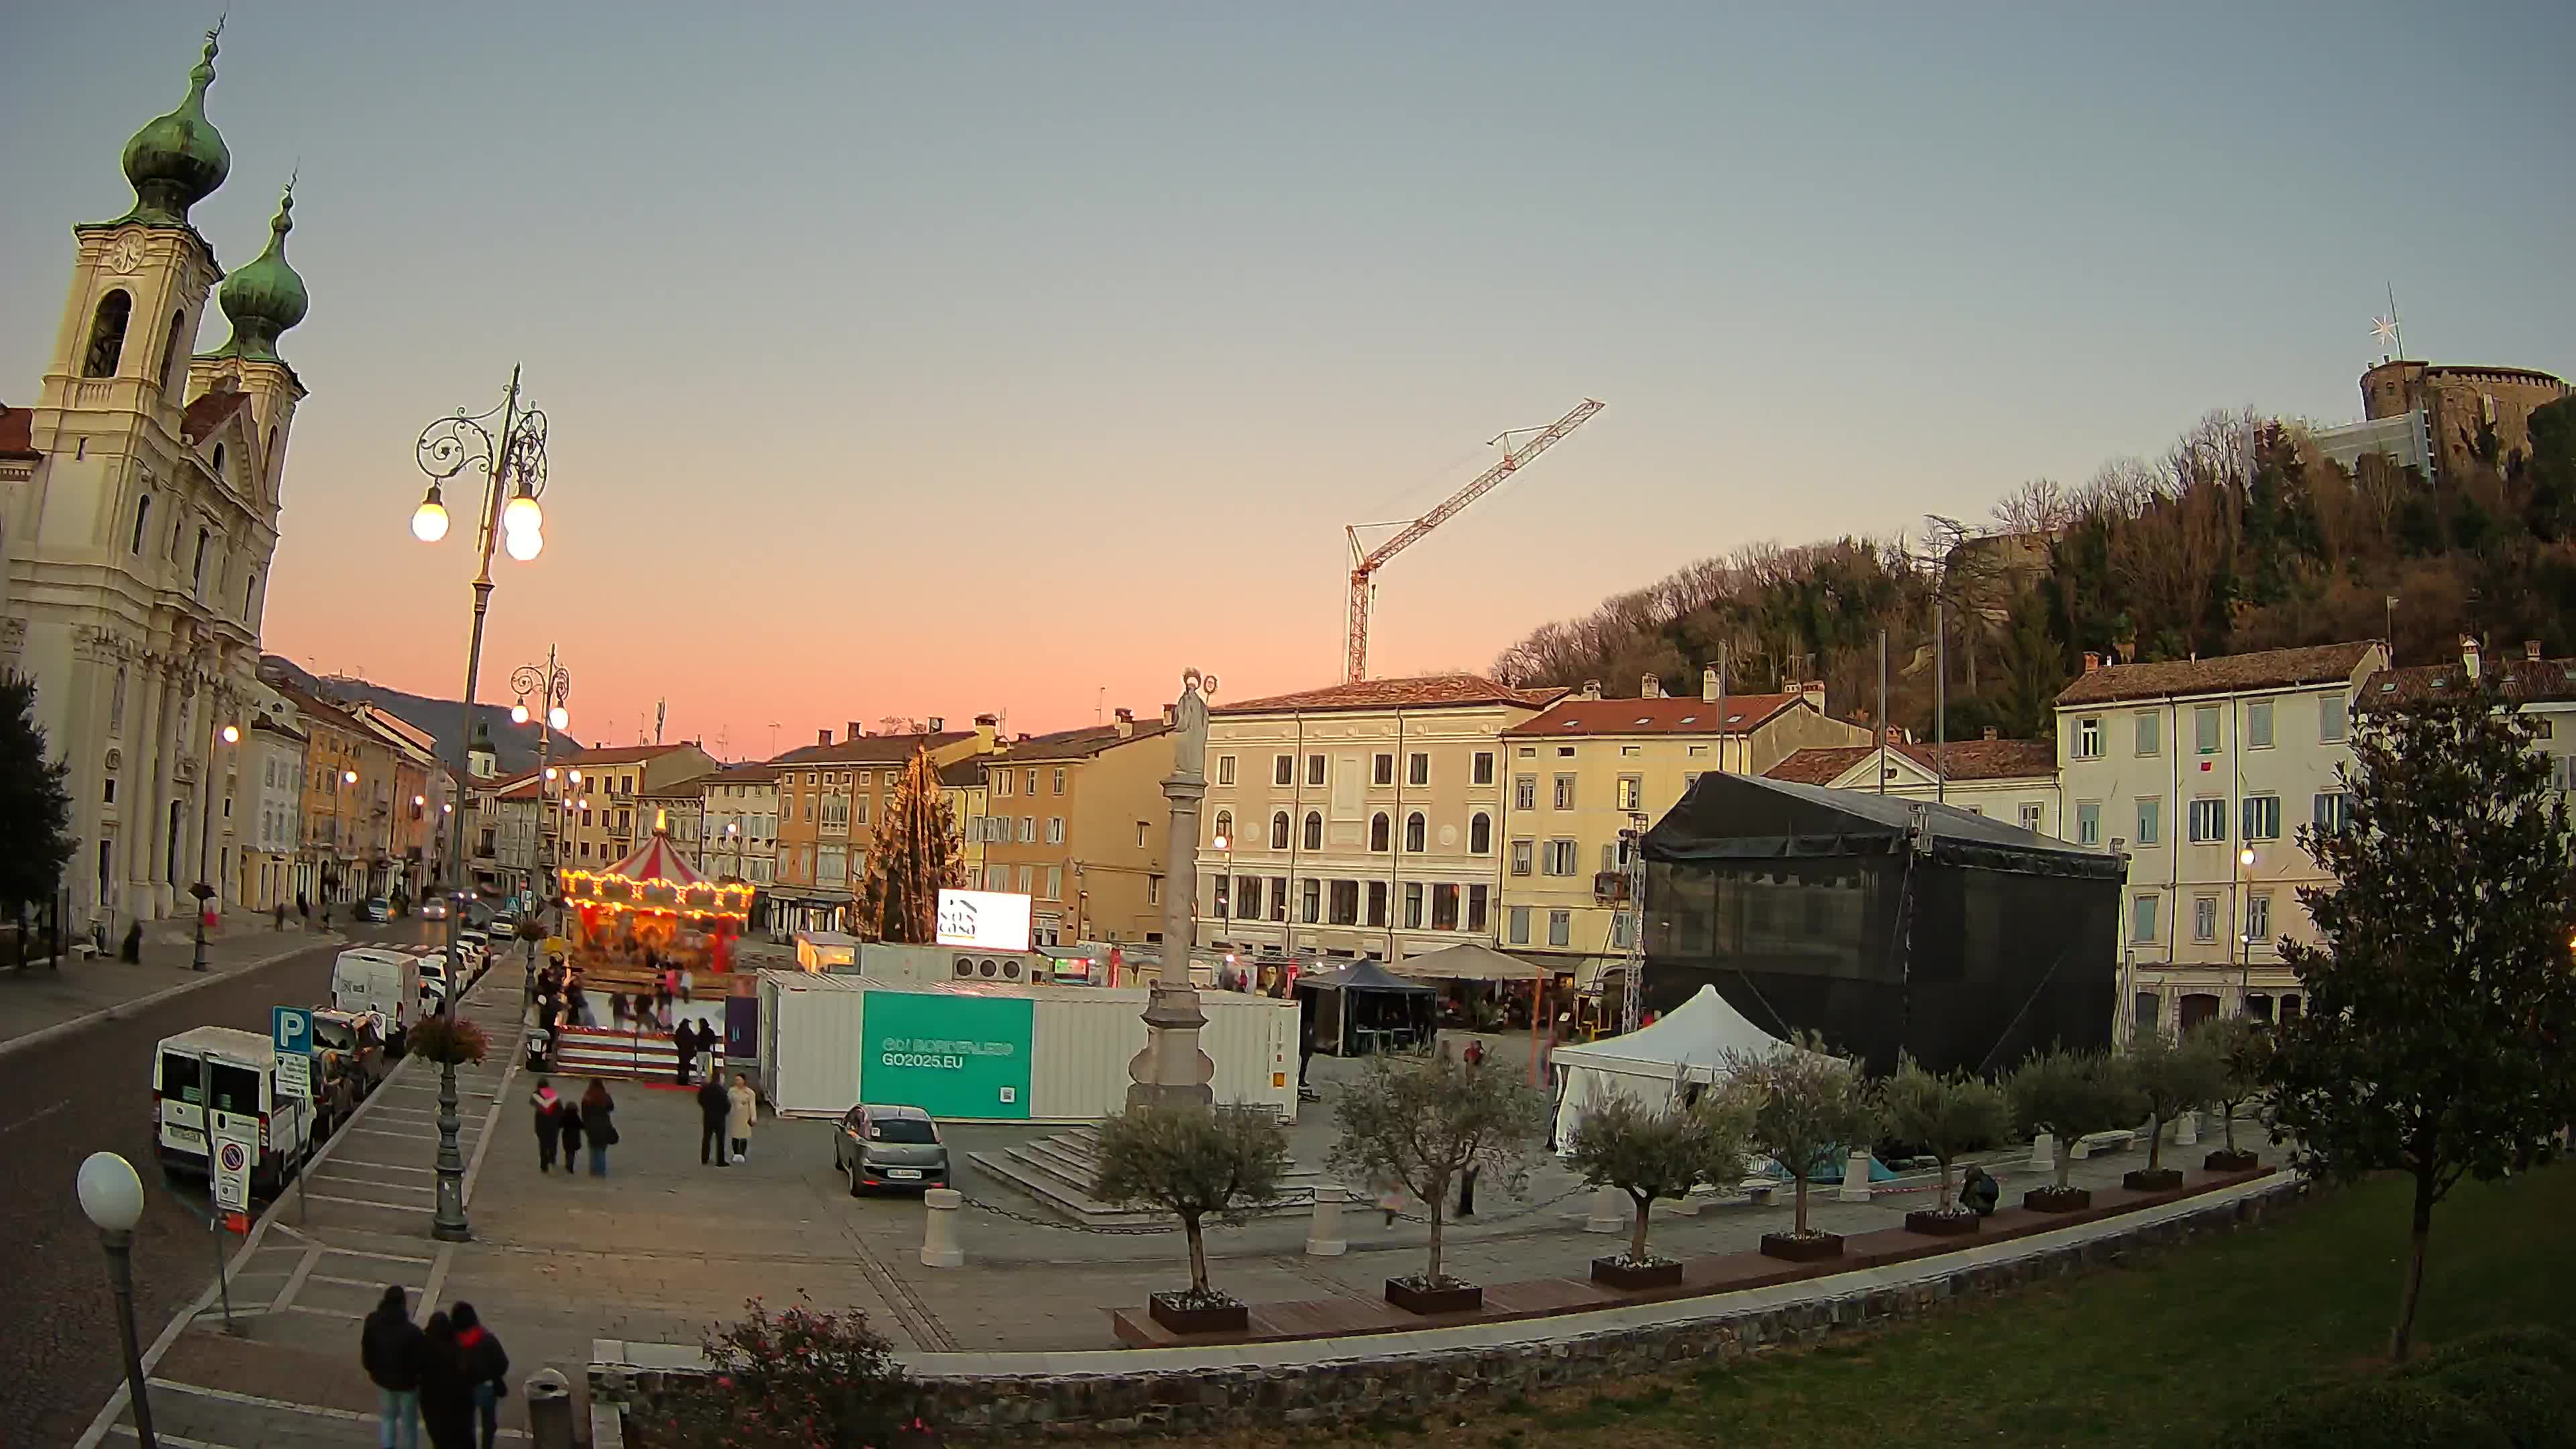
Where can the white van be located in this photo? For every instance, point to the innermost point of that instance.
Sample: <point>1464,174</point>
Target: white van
<point>220,1081</point>
<point>381,980</point>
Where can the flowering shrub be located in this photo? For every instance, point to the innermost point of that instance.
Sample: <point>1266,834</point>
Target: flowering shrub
<point>449,1041</point>
<point>800,1378</point>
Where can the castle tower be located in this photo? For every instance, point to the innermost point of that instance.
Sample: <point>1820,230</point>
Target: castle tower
<point>139,545</point>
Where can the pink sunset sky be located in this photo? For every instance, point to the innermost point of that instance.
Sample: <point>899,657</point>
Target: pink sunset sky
<point>934,361</point>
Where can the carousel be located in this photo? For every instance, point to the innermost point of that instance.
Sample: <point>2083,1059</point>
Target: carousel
<point>649,947</point>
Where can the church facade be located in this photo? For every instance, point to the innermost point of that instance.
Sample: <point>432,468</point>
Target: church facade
<point>143,490</point>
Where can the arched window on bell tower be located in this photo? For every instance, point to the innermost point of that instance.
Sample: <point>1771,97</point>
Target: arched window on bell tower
<point>170,357</point>
<point>107,334</point>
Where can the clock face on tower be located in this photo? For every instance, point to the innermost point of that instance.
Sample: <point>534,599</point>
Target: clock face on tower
<point>125,255</point>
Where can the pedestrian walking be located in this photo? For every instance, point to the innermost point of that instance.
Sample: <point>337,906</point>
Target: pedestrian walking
<point>599,1124</point>
<point>549,1109</point>
<point>746,1110</point>
<point>568,1121</point>
<point>391,1347</point>
<point>446,1395</point>
<point>132,954</point>
<point>706,1051</point>
<point>487,1368</point>
<point>684,1051</point>
<point>303,907</point>
<point>278,912</point>
<point>715,1108</point>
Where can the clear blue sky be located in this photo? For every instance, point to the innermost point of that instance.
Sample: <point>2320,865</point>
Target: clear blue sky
<point>894,347</point>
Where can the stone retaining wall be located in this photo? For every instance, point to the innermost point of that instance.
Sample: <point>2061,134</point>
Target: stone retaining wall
<point>1419,1381</point>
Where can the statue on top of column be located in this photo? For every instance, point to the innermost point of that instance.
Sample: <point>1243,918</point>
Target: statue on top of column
<point>1190,725</point>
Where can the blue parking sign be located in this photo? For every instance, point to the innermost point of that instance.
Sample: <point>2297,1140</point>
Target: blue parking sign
<point>291,1028</point>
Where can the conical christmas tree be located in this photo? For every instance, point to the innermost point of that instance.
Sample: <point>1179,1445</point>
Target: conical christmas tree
<point>918,854</point>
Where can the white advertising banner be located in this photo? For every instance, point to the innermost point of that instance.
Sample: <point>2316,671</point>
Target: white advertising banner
<point>984,920</point>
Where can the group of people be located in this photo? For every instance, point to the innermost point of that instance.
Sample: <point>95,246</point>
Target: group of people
<point>695,1043</point>
<point>448,1375</point>
<point>591,1121</point>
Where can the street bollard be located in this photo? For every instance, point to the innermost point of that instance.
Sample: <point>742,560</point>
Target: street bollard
<point>549,1410</point>
<point>1324,1230</point>
<point>939,1247</point>
<point>1855,1186</point>
<point>2043,1152</point>
<point>2187,1129</point>
<point>1611,1212</point>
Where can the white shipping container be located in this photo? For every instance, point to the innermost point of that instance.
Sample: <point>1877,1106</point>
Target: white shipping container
<point>813,1045</point>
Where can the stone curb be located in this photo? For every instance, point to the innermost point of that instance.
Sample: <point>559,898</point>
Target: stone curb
<point>124,1009</point>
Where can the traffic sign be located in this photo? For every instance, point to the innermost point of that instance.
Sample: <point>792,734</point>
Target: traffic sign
<point>291,1028</point>
<point>232,1174</point>
<point>295,1077</point>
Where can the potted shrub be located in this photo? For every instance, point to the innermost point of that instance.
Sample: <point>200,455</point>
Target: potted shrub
<point>1808,1106</point>
<point>1419,1123</point>
<point>791,1380</point>
<point>1651,1153</point>
<point>2242,1049</point>
<point>1946,1116</point>
<point>2072,1094</point>
<point>1194,1163</point>
<point>2172,1077</point>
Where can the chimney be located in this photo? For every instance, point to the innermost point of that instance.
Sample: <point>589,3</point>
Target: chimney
<point>2092,662</point>
<point>938,724</point>
<point>855,733</point>
<point>822,737</point>
<point>1708,684</point>
<point>1591,689</point>
<point>1990,732</point>
<point>1895,735</point>
<point>2469,656</point>
<point>1650,688</point>
<point>1814,693</point>
<point>1167,715</point>
<point>1126,723</point>
<point>987,726</point>
<point>2531,650</point>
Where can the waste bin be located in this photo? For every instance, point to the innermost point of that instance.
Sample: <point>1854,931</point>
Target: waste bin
<point>549,1410</point>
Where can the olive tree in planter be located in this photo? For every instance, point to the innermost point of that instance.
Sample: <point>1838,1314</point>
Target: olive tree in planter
<point>1658,1152</point>
<point>1420,1123</point>
<point>2072,1094</point>
<point>1195,1163</point>
<point>2243,1049</point>
<point>1808,1105</point>
<point>1946,1116</point>
<point>2173,1077</point>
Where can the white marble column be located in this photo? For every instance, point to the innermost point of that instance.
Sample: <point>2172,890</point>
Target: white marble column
<point>148,699</point>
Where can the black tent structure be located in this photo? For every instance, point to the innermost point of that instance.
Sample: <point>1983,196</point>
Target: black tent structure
<point>1365,1008</point>
<point>1889,925</point>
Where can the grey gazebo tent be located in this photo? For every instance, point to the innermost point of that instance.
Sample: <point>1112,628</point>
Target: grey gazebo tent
<point>1364,1008</point>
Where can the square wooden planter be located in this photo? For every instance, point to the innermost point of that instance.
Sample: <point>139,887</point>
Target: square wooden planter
<point>1180,1316</point>
<point>1937,1224</point>
<point>2225,1161</point>
<point>1629,1277</point>
<point>1790,1248</point>
<point>1450,1297</point>
<point>2057,1200</point>
<point>2162,1179</point>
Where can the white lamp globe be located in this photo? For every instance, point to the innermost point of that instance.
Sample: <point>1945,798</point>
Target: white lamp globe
<point>524,544</point>
<point>232,735</point>
<point>111,1196</point>
<point>519,713</point>
<point>522,515</point>
<point>429,521</point>
<point>559,717</point>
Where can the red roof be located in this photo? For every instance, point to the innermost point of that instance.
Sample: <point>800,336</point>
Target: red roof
<point>1428,691</point>
<point>208,412</point>
<point>870,749</point>
<point>1686,715</point>
<point>17,432</point>
<point>2518,676</point>
<point>2221,674</point>
<point>1968,760</point>
<point>619,754</point>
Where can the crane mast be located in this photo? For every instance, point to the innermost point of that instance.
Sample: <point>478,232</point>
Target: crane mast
<point>1365,563</point>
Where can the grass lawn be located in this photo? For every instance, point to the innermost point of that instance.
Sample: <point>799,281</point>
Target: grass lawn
<point>2163,1351</point>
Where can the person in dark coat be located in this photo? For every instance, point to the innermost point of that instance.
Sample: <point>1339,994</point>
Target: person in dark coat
<point>446,1394</point>
<point>390,1347</point>
<point>568,1122</point>
<point>1979,1191</point>
<point>487,1368</point>
<point>132,952</point>
<point>684,1046</point>
<point>599,1124</point>
<point>715,1108</point>
<point>549,1110</point>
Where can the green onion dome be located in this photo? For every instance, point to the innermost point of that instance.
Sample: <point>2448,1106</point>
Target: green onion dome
<point>179,159</point>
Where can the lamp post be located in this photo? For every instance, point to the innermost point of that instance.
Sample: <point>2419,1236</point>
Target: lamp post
<point>339,830</point>
<point>2244,901</point>
<point>205,894</point>
<point>552,685</point>
<point>514,475</point>
<point>111,1197</point>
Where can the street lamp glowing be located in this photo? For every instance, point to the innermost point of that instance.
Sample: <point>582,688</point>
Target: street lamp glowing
<point>525,544</point>
<point>2245,857</point>
<point>231,735</point>
<point>1219,843</point>
<point>559,717</point>
<point>576,777</point>
<point>349,777</point>
<point>523,514</point>
<point>419,800</point>
<point>429,520</point>
<point>519,712</point>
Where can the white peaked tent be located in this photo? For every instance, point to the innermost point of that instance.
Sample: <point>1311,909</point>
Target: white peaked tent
<point>1685,1045</point>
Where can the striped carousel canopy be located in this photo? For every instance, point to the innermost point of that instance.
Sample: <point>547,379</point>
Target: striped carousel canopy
<point>657,878</point>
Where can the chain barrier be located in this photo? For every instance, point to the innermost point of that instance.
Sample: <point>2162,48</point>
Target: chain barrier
<point>1150,1229</point>
<point>1480,1219</point>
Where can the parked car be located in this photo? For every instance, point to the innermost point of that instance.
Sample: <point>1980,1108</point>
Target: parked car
<point>377,908</point>
<point>358,1038</point>
<point>890,1147</point>
<point>216,1082</point>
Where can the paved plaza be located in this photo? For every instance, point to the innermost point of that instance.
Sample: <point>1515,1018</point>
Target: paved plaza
<point>663,1247</point>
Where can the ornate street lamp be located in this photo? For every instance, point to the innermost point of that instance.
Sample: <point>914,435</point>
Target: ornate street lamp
<point>513,464</point>
<point>111,1197</point>
<point>205,893</point>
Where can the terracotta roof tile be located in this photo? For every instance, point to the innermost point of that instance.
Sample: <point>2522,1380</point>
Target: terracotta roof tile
<point>1968,759</point>
<point>2523,678</point>
<point>756,772</point>
<point>17,432</point>
<point>2225,674</point>
<point>618,754</point>
<point>871,749</point>
<point>1429,691</point>
<point>1670,715</point>
<point>208,412</point>
<point>1077,744</point>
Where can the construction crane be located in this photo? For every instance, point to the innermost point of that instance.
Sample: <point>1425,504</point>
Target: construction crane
<point>1366,562</point>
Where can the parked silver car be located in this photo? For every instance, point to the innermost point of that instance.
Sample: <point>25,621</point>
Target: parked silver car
<point>890,1147</point>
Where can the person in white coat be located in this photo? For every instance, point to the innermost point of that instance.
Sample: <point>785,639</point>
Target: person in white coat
<point>746,1110</point>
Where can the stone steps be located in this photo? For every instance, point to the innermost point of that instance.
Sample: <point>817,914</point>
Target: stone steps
<point>1058,1171</point>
